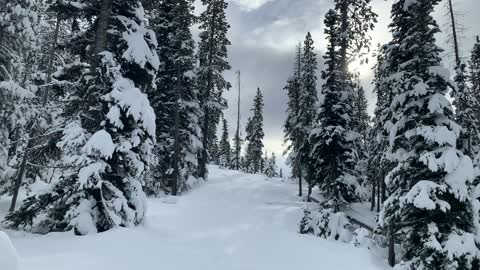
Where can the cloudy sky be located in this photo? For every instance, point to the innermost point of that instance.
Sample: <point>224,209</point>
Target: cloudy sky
<point>264,34</point>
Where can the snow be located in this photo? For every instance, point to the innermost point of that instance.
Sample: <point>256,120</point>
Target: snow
<point>8,255</point>
<point>100,142</point>
<point>235,221</point>
<point>134,102</point>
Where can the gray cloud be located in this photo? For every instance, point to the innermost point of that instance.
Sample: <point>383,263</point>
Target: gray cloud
<point>264,34</point>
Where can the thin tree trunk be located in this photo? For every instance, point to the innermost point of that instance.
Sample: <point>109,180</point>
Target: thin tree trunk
<point>299,171</point>
<point>344,40</point>
<point>206,119</point>
<point>379,187</point>
<point>454,34</point>
<point>19,180</point>
<point>384,189</point>
<point>391,247</point>
<point>372,206</point>
<point>51,56</point>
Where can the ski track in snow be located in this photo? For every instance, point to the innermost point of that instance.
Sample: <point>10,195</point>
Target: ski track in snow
<point>235,221</point>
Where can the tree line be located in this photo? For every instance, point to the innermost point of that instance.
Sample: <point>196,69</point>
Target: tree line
<point>105,102</point>
<point>416,161</point>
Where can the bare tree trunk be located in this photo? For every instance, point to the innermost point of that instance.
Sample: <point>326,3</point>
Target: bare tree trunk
<point>206,118</point>
<point>344,40</point>
<point>383,187</point>
<point>379,187</point>
<point>101,31</point>
<point>391,247</point>
<point>372,206</point>
<point>300,188</point>
<point>51,57</point>
<point>19,179</point>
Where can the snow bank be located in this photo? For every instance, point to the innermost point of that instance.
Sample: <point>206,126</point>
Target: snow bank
<point>8,254</point>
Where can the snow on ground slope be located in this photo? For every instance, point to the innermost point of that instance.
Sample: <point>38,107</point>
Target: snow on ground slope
<point>235,221</point>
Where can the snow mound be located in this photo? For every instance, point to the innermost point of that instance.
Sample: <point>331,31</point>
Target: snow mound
<point>8,254</point>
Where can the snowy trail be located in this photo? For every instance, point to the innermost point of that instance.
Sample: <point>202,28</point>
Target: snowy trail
<point>234,222</point>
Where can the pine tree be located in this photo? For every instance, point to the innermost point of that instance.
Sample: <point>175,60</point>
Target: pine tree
<point>212,55</point>
<point>109,125</point>
<point>475,69</point>
<point>176,97</point>
<point>18,104</point>
<point>255,134</point>
<point>332,152</point>
<point>378,165</point>
<point>271,166</point>
<point>429,207</point>
<point>307,104</point>
<point>464,102</point>
<point>225,149</point>
<point>361,113</point>
<point>474,78</point>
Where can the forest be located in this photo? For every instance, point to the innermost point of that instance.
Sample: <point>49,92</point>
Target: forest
<point>116,153</point>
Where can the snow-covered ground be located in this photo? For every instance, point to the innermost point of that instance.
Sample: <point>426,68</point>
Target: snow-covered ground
<point>235,221</point>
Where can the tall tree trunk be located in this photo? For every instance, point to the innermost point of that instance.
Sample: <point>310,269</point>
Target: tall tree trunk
<point>379,187</point>
<point>372,206</point>
<point>391,246</point>
<point>206,118</point>
<point>19,178</point>
<point>300,188</point>
<point>383,187</point>
<point>454,34</point>
<point>344,40</point>
<point>101,37</point>
<point>51,57</point>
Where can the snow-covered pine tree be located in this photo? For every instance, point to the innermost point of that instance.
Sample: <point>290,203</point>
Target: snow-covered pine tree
<point>465,103</point>
<point>18,108</point>
<point>110,127</point>
<point>475,69</point>
<point>378,165</point>
<point>429,208</point>
<point>360,111</point>
<point>361,127</point>
<point>255,134</point>
<point>307,104</point>
<point>474,78</point>
<point>271,166</point>
<point>224,147</point>
<point>212,56</point>
<point>214,151</point>
<point>176,98</point>
<point>332,152</point>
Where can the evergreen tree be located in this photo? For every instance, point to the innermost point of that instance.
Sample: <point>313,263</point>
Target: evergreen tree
<point>212,55</point>
<point>225,149</point>
<point>378,165</point>
<point>307,102</point>
<point>271,166</point>
<point>109,125</point>
<point>18,104</point>
<point>474,79</point>
<point>464,102</point>
<point>255,134</point>
<point>429,206</point>
<point>176,97</point>
<point>475,69</point>
<point>360,112</point>
<point>332,152</point>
